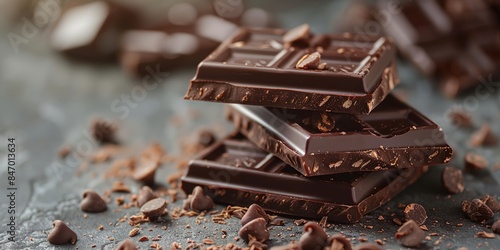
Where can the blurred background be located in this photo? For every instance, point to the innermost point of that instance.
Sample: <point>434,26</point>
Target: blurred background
<point>65,62</point>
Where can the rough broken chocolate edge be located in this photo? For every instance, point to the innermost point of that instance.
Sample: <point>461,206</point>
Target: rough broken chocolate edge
<point>331,102</point>
<point>337,213</point>
<point>318,164</point>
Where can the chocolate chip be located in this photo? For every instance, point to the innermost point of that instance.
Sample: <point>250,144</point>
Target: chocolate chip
<point>206,138</point>
<point>127,245</point>
<point>297,36</point>
<point>120,187</point>
<point>496,227</point>
<point>368,246</point>
<point>145,195</point>
<point>146,173</point>
<point>475,162</point>
<point>257,228</point>
<point>491,202</point>
<point>410,234</point>
<point>254,211</point>
<point>461,118</point>
<point>415,212</point>
<point>309,61</point>
<point>92,202</point>
<point>477,210</point>
<point>338,241</point>
<point>483,137</point>
<point>323,122</point>
<point>452,179</point>
<point>61,234</point>
<point>154,208</point>
<point>103,131</point>
<point>314,237</point>
<point>198,201</point>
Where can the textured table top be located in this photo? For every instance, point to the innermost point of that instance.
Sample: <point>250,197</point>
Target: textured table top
<point>47,101</point>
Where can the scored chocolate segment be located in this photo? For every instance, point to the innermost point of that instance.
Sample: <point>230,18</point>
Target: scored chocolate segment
<point>255,67</point>
<point>393,135</point>
<point>235,171</point>
<point>455,41</point>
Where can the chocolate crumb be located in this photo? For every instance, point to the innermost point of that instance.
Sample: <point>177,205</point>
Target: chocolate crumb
<point>415,212</point>
<point>206,138</point>
<point>485,235</point>
<point>103,131</point>
<point>475,161</point>
<point>461,118</point>
<point>367,246</point>
<point>452,179</point>
<point>309,61</point>
<point>133,232</point>
<point>300,222</point>
<point>61,234</point>
<point>277,222</point>
<point>143,238</point>
<point>483,137</point>
<point>410,234</point>
<point>64,151</point>
<point>477,210</point>
<point>92,202</point>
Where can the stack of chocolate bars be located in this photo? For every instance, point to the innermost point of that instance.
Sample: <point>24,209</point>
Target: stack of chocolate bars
<point>318,132</point>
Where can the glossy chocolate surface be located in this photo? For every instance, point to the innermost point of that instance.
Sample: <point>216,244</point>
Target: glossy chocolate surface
<point>256,67</point>
<point>393,135</point>
<point>235,171</point>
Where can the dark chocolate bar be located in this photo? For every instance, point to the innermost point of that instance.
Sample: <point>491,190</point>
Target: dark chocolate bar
<point>393,135</point>
<point>234,171</point>
<point>456,41</point>
<point>256,67</point>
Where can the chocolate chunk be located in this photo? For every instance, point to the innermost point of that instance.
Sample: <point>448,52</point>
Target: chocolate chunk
<point>323,122</point>
<point>61,234</point>
<point>410,234</point>
<point>354,81</point>
<point>309,61</point>
<point>257,228</point>
<point>206,138</point>
<point>338,241</point>
<point>253,212</point>
<point>146,172</point>
<point>475,161</point>
<point>154,208</point>
<point>297,36</point>
<point>477,210</point>
<point>228,169</point>
<point>415,212</point>
<point>461,118</point>
<point>483,137</point>
<point>368,246</point>
<point>496,227</point>
<point>92,202</point>
<point>198,201</point>
<point>452,179</point>
<point>127,245</point>
<point>145,195</point>
<point>314,237</point>
<point>292,136</point>
<point>491,202</point>
<point>103,131</point>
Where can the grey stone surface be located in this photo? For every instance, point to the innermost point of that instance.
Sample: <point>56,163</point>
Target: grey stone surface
<point>47,101</point>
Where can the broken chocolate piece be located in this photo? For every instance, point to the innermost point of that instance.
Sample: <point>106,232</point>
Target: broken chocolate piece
<point>477,210</point>
<point>415,212</point>
<point>452,179</point>
<point>92,202</point>
<point>154,208</point>
<point>475,161</point>
<point>257,228</point>
<point>254,211</point>
<point>146,194</point>
<point>355,81</point>
<point>410,234</point>
<point>491,202</point>
<point>354,143</point>
<point>483,137</point>
<point>61,234</point>
<point>228,169</point>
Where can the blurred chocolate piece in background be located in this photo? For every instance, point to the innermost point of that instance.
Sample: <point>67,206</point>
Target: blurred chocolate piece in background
<point>90,30</point>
